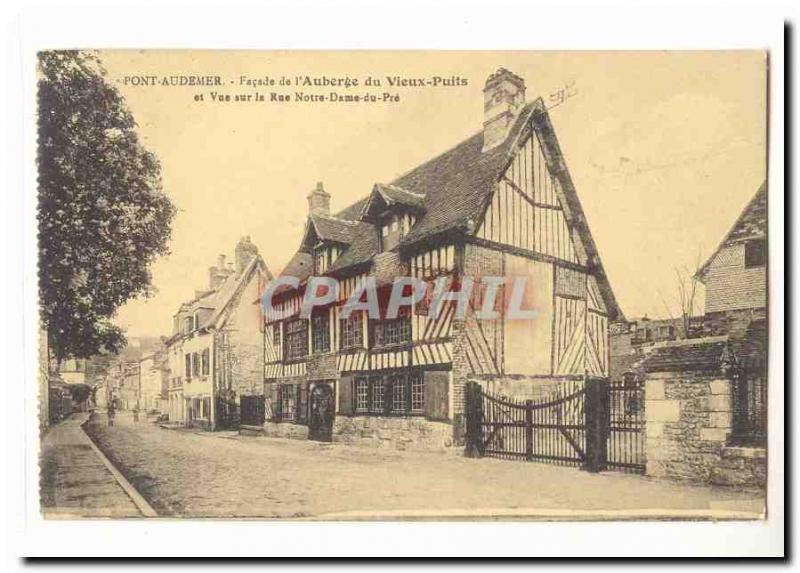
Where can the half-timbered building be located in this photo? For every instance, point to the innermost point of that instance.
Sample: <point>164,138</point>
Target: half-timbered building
<point>501,203</point>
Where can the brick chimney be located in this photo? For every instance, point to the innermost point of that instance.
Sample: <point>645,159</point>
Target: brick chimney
<point>245,252</point>
<point>218,273</point>
<point>503,99</point>
<point>319,201</point>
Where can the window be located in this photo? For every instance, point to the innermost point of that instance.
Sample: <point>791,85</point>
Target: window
<point>195,364</point>
<point>377,388</point>
<point>351,331</point>
<point>362,394</point>
<point>321,260</point>
<point>188,363</point>
<point>417,393</point>
<point>321,332</point>
<point>188,324</point>
<point>276,335</point>
<point>393,227</point>
<point>206,364</point>
<point>196,321</point>
<point>399,393</point>
<point>755,253</point>
<point>288,401</point>
<point>392,393</point>
<point>666,331</point>
<point>296,339</point>
<point>392,331</point>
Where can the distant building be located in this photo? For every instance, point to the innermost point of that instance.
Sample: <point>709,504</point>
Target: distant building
<point>123,385</point>
<point>215,353</point>
<point>735,276</point>
<point>629,340</point>
<point>733,347</point>
<point>73,371</point>
<point>155,374</point>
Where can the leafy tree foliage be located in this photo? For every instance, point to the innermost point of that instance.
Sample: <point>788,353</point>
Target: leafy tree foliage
<point>103,217</point>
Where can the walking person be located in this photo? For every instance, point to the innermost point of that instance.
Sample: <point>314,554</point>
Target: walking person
<point>111,413</point>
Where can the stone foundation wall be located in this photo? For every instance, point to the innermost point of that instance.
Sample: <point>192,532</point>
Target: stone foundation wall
<point>286,430</point>
<point>402,433</point>
<point>688,426</point>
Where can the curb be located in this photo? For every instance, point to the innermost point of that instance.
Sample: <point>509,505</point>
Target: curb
<point>140,502</point>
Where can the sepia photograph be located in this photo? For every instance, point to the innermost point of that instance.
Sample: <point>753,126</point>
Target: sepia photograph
<point>403,285</point>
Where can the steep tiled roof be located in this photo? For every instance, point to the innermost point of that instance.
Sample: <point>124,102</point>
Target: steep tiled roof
<point>392,194</point>
<point>751,224</point>
<point>332,228</point>
<point>227,291</point>
<point>457,183</point>
<point>216,301</point>
<point>451,190</point>
<point>364,245</point>
<point>301,265</point>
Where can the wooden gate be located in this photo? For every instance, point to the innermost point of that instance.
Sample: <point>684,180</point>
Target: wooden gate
<point>566,427</point>
<point>626,428</point>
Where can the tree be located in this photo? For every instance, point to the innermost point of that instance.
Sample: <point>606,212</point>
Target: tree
<point>686,283</point>
<point>103,217</point>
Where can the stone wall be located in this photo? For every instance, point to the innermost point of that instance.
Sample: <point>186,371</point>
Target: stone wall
<point>401,433</point>
<point>286,430</point>
<point>688,426</point>
<point>732,322</point>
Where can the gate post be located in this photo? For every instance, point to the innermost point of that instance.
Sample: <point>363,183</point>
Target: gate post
<point>473,406</point>
<point>597,422</point>
<point>529,430</point>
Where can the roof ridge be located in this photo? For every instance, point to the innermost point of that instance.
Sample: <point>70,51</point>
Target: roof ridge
<point>699,274</point>
<point>334,218</point>
<point>401,189</point>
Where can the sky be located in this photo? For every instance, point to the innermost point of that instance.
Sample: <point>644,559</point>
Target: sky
<point>665,150</point>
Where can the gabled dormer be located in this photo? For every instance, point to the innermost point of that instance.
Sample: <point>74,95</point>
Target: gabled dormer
<point>393,211</point>
<point>326,237</point>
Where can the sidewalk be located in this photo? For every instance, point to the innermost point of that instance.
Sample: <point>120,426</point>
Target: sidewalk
<point>75,481</point>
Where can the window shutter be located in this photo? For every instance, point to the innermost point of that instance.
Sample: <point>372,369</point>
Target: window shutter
<point>276,402</point>
<point>437,384</point>
<point>302,403</point>
<point>346,395</point>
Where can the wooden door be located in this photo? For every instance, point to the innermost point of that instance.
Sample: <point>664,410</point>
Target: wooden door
<point>321,412</point>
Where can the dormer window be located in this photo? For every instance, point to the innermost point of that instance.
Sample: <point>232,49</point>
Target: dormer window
<point>395,226</point>
<point>393,211</point>
<point>324,256</point>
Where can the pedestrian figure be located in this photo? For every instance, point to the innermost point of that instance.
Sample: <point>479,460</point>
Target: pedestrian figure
<point>135,414</point>
<point>111,414</point>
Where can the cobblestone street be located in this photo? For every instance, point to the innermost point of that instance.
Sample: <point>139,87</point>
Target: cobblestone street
<point>193,474</point>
